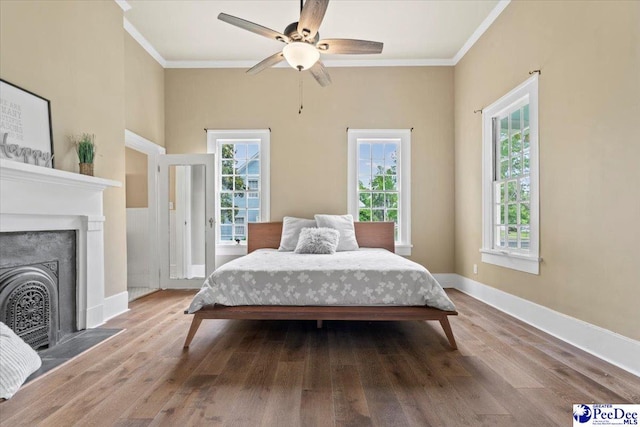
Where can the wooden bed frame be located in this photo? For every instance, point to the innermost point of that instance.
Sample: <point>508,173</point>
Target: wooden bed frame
<point>369,235</point>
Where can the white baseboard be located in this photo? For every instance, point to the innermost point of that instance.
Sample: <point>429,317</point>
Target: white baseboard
<point>176,284</point>
<point>607,345</point>
<point>447,280</point>
<point>115,305</point>
<point>95,316</point>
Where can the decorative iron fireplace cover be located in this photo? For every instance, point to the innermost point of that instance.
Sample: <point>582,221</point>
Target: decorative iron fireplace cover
<point>29,302</point>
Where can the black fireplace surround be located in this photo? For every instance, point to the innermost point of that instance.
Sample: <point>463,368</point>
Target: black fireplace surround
<point>38,285</point>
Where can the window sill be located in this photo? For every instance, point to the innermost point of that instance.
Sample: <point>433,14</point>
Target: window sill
<point>404,250</point>
<point>514,261</point>
<point>231,249</point>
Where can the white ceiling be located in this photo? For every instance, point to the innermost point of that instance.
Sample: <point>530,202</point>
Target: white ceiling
<point>414,32</point>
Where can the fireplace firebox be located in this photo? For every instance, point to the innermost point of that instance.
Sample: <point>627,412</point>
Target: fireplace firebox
<point>38,285</point>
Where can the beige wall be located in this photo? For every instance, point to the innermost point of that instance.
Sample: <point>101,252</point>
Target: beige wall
<point>144,114</point>
<point>308,151</point>
<point>144,89</point>
<point>136,177</point>
<point>73,54</point>
<point>589,53</point>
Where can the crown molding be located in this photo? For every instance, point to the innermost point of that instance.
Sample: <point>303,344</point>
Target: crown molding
<point>332,63</point>
<point>128,26</point>
<point>216,64</point>
<point>414,62</point>
<point>124,5</point>
<point>134,141</point>
<point>484,26</point>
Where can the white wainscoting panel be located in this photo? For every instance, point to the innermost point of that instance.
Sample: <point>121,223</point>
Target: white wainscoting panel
<point>137,247</point>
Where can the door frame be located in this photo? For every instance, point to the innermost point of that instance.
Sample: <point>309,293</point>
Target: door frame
<point>152,150</point>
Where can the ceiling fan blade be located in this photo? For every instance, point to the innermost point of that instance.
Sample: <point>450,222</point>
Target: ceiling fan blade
<point>320,74</point>
<point>253,27</point>
<point>349,46</point>
<point>266,63</point>
<point>311,17</point>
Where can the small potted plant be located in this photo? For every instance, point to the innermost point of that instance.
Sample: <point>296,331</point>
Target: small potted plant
<point>86,149</point>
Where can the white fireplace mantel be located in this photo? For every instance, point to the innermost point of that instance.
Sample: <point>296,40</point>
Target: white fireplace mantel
<point>35,198</point>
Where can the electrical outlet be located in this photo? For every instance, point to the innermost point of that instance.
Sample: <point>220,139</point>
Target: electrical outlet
<point>475,268</point>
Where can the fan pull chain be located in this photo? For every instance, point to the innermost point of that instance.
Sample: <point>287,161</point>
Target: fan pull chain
<point>301,92</point>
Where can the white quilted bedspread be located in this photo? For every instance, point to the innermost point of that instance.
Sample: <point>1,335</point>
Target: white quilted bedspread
<point>363,277</point>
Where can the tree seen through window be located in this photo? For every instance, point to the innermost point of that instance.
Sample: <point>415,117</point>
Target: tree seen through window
<point>378,192</point>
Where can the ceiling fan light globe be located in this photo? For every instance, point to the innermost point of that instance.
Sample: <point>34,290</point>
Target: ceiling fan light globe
<point>300,55</point>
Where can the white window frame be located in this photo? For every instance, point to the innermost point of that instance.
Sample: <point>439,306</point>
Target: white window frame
<point>403,244</point>
<point>215,139</point>
<point>528,261</point>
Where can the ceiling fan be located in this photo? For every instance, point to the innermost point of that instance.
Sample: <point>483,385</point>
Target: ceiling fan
<point>303,43</point>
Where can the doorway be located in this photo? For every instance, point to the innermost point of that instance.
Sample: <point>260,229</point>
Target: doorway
<point>141,160</point>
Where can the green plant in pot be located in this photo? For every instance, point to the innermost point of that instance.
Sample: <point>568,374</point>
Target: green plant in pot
<point>86,149</point>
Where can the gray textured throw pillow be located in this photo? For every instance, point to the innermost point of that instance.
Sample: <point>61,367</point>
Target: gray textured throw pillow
<point>317,241</point>
<point>291,227</point>
<point>344,224</point>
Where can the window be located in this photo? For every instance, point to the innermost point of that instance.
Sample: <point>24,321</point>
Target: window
<point>380,180</point>
<point>510,180</point>
<point>242,184</point>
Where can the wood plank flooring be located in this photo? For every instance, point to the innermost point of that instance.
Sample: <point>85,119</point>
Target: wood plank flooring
<point>288,373</point>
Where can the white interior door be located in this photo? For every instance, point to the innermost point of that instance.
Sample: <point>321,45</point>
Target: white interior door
<point>186,231</point>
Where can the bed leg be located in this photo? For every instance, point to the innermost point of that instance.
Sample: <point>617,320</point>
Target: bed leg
<point>319,324</point>
<point>195,324</point>
<point>444,322</point>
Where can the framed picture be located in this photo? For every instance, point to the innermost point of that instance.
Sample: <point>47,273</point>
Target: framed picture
<point>25,126</point>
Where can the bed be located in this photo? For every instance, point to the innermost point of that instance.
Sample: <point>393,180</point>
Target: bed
<point>267,284</point>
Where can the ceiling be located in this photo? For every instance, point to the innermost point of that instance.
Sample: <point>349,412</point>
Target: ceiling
<point>414,32</point>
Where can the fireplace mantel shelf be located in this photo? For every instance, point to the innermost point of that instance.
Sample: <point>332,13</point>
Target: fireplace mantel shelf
<point>16,171</point>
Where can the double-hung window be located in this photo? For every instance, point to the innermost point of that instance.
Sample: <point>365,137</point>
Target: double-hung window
<point>510,180</point>
<point>379,182</point>
<point>242,184</point>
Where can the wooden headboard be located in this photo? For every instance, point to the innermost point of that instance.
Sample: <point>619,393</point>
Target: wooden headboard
<point>266,235</point>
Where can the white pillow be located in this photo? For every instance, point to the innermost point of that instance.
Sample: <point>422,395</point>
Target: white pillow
<point>17,361</point>
<point>317,241</point>
<point>291,227</point>
<point>344,224</point>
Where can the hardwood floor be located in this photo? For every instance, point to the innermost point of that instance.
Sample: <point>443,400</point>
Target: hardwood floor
<point>288,373</point>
